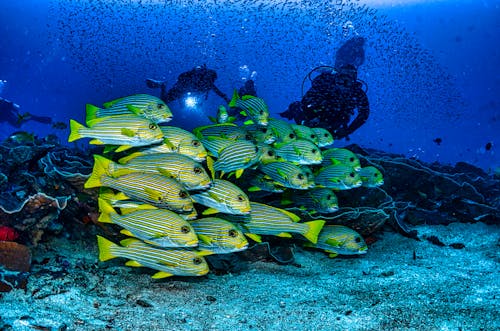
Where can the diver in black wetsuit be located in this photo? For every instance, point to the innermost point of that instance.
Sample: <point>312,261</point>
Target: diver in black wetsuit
<point>198,80</point>
<point>9,112</point>
<point>335,96</point>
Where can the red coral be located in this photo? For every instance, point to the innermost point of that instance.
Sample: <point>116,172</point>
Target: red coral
<point>8,234</point>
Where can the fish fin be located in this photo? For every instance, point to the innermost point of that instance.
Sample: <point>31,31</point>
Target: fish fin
<point>210,211</point>
<point>106,211</point>
<point>123,148</point>
<point>281,173</point>
<point>238,173</point>
<point>162,274</point>
<point>165,172</point>
<point>332,255</point>
<point>127,233</point>
<point>248,122</point>
<point>334,161</point>
<point>133,263</point>
<point>91,112</point>
<point>101,166</point>
<point>111,103</point>
<point>135,110</point>
<point>254,237</point>
<point>127,132</point>
<point>204,252</point>
<point>128,241</point>
<point>96,142</point>
<point>243,113</point>
<point>205,239</point>
<point>231,119</point>
<point>212,119</point>
<point>293,216</point>
<point>105,247</point>
<point>333,242</point>
<point>152,193</point>
<point>75,128</point>
<point>284,235</point>
<point>254,189</point>
<point>127,158</point>
<point>210,166</point>
<point>247,97</point>
<point>234,99</point>
<point>142,206</point>
<point>314,228</point>
<point>286,202</point>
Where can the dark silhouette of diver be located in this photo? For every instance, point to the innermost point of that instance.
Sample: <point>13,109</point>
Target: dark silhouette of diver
<point>198,80</point>
<point>9,112</point>
<point>335,95</point>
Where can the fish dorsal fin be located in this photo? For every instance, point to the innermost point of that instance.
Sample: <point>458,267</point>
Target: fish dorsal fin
<point>123,148</point>
<point>210,166</point>
<point>247,97</point>
<point>210,211</point>
<point>112,102</point>
<point>127,158</point>
<point>127,233</point>
<point>254,237</point>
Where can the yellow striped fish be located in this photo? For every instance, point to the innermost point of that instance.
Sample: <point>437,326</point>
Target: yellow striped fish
<point>282,129</point>
<point>180,141</point>
<point>169,262</point>
<point>225,197</point>
<point>155,189</point>
<point>325,138</point>
<point>338,177</point>
<point>144,105</point>
<point>340,156</point>
<point>158,227</point>
<point>305,132</point>
<point>299,151</point>
<point>251,106</point>
<point>236,157</point>
<point>268,220</point>
<point>187,171</point>
<point>371,177</point>
<point>219,236</point>
<point>261,134</point>
<point>340,240</point>
<point>316,200</point>
<point>216,144</point>
<point>225,130</point>
<point>126,130</point>
<point>286,174</point>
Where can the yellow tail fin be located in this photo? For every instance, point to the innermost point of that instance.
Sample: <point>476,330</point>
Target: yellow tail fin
<point>314,228</point>
<point>105,247</point>
<point>101,166</point>
<point>106,211</point>
<point>75,128</point>
<point>91,112</point>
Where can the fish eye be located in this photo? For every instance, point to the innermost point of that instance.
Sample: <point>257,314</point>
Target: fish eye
<point>351,159</point>
<point>300,176</point>
<point>240,198</point>
<point>329,197</point>
<point>352,174</point>
<point>261,112</point>
<point>197,260</point>
<point>161,106</point>
<point>375,174</point>
<point>183,194</point>
<point>313,136</point>
<point>232,233</point>
<point>197,170</point>
<point>270,153</point>
<point>291,136</point>
<point>314,150</point>
<point>325,135</point>
<point>185,229</point>
<point>160,198</point>
<point>263,130</point>
<point>357,239</point>
<point>256,149</point>
<point>196,143</point>
<point>248,137</point>
<point>153,126</point>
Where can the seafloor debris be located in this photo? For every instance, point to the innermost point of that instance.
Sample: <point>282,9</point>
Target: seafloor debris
<point>15,262</point>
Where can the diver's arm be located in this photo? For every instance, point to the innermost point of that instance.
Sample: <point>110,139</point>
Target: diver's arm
<point>363,113</point>
<point>221,94</point>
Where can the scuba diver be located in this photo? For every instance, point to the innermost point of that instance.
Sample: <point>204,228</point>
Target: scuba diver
<point>9,112</point>
<point>198,80</point>
<point>335,95</point>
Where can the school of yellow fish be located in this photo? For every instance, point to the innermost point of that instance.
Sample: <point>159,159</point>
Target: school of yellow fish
<point>180,195</point>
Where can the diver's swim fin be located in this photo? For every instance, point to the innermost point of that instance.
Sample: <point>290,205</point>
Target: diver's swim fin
<point>151,83</point>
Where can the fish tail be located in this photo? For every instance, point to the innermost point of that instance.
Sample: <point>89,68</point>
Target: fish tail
<point>235,98</point>
<point>106,211</point>
<point>313,230</point>
<point>105,248</point>
<point>101,166</point>
<point>75,128</point>
<point>91,112</point>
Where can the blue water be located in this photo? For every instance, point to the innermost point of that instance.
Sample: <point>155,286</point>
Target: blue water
<point>432,67</point>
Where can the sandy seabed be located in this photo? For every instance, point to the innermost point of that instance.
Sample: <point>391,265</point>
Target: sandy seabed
<point>401,284</point>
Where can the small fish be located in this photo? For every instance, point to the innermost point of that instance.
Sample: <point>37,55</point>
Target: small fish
<point>125,130</point>
<point>261,134</point>
<point>155,189</point>
<point>59,125</point>
<point>237,157</point>
<point>268,220</point>
<point>219,236</point>
<point>340,240</point>
<point>22,138</point>
<point>158,227</point>
<point>325,138</point>
<point>282,129</point>
<point>338,177</point>
<point>224,130</point>
<point>438,141</point>
<point>225,197</point>
<point>371,176</point>
<point>262,182</point>
<point>251,106</point>
<point>216,144</point>
<point>179,141</point>
<point>340,156</point>
<point>305,132</point>
<point>143,105</point>
<point>299,151</point>
<point>286,174</point>
<point>488,146</point>
<point>187,171</point>
<point>222,116</point>
<point>168,262</point>
<point>316,200</point>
